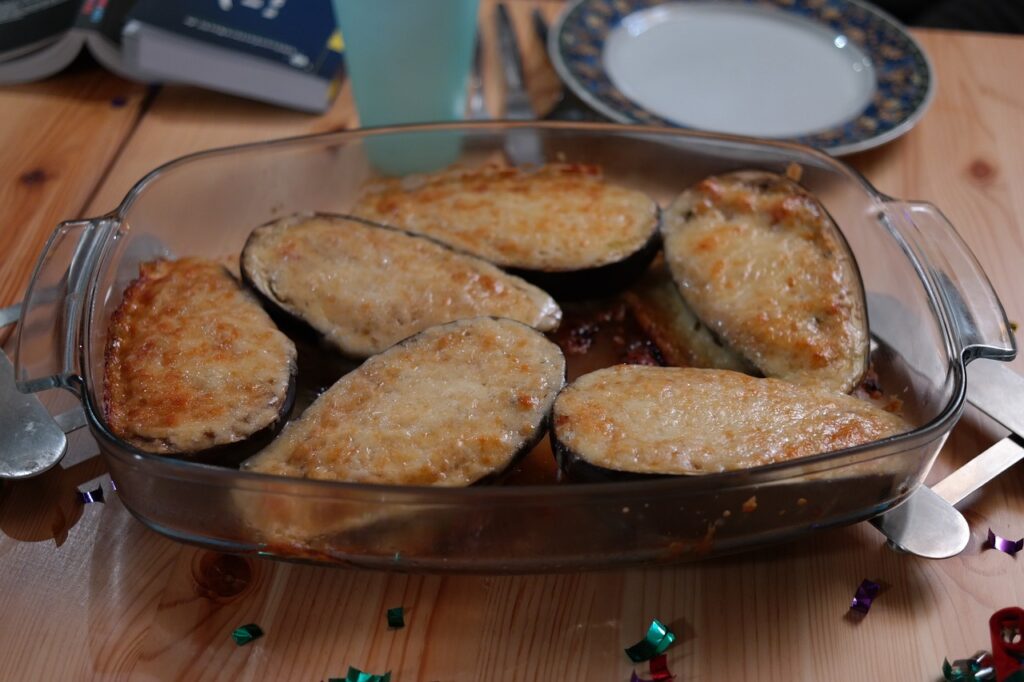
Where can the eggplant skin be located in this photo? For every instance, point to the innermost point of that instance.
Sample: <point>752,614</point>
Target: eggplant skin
<point>764,266</point>
<point>630,420</point>
<point>599,282</point>
<point>364,287</point>
<point>561,225</point>
<point>194,367</point>
<point>453,405</point>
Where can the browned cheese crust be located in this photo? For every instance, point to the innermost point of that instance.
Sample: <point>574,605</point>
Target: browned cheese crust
<point>448,407</point>
<point>558,218</point>
<point>672,420</point>
<point>192,360</point>
<point>365,287</point>
<point>760,261</point>
<point>680,336</point>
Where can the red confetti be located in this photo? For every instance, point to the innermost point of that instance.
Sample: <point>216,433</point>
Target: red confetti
<point>659,668</point>
<point>659,671</point>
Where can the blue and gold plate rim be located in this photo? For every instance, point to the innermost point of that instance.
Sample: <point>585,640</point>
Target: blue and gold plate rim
<point>904,86</point>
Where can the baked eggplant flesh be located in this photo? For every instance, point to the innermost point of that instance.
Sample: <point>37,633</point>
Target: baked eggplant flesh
<point>194,366</point>
<point>450,406</point>
<point>762,264</point>
<point>681,338</point>
<point>561,226</point>
<point>632,420</point>
<point>364,287</point>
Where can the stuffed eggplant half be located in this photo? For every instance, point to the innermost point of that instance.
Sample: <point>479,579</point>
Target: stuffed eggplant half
<point>760,262</point>
<point>194,366</point>
<point>681,338</point>
<point>561,226</point>
<point>450,406</point>
<point>634,421</point>
<point>364,287</point>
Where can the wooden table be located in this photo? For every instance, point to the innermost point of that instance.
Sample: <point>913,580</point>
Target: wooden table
<point>88,592</point>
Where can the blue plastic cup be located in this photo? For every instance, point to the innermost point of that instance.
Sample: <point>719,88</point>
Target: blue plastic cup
<point>409,62</point>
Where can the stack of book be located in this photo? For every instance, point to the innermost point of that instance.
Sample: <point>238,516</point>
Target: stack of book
<point>287,52</point>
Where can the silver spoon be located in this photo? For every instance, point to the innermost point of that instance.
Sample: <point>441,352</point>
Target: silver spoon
<point>31,440</point>
<point>928,524</point>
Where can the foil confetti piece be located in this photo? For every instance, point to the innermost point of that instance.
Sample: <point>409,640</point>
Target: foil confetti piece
<point>976,669</point>
<point>659,669</point>
<point>396,617</point>
<point>1002,544</point>
<point>88,497</point>
<point>657,640</point>
<point>866,593</point>
<point>357,675</point>
<point>246,633</point>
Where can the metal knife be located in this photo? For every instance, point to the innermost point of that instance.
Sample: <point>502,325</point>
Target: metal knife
<point>476,106</point>
<point>927,524</point>
<point>523,147</point>
<point>518,106</point>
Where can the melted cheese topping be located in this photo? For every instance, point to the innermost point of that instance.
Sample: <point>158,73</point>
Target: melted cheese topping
<point>760,261</point>
<point>192,360</point>
<point>681,337</point>
<point>671,420</point>
<point>366,288</point>
<point>447,407</point>
<point>561,217</point>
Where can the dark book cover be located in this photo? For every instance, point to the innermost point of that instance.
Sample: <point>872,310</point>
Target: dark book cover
<point>26,22</point>
<point>106,17</point>
<point>300,34</point>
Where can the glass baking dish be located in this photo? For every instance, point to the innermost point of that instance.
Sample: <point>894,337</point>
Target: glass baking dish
<point>931,310</point>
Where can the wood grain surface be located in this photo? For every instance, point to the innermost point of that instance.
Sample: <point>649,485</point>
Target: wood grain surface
<point>89,593</point>
<point>57,140</point>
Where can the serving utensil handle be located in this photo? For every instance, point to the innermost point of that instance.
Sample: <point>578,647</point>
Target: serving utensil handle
<point>48,347</point>
<point>972,310</point>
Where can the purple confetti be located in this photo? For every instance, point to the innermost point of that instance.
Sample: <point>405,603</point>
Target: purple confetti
<point>88,497</point>
<point>1002,544</point>
<point>119,101</point>
<point>866,593</point>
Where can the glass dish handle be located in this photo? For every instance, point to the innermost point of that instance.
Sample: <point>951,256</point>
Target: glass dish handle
<point>975,315</point>
<point>49,334</point>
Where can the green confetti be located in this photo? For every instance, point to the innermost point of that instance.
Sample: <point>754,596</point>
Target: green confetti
<point>974,669</point>
<point>658,639</point>
<point>396,617</point>
<point>357,675</point>
<point>247,633</point>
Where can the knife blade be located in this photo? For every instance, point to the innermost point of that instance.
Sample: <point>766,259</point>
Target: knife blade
<point>476,105</point>
<point>998,391</point>
<point>517,102</point>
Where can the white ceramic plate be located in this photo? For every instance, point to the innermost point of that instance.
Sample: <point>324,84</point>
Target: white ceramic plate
<point>832,73</point>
